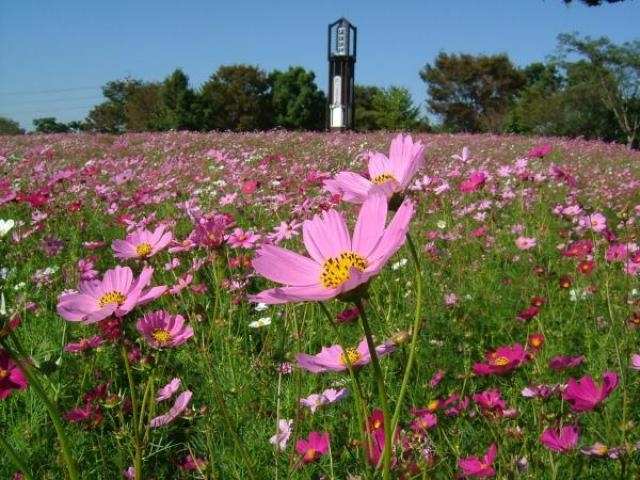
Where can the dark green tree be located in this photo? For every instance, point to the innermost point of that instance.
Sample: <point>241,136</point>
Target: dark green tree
<point>179,106</point>
<point>111,116</point>
<point>10,127</point>
<point>144,108</point>
<point>594,3</point>
<point>394,109</point>
<point>472,93</point>
<point>617,69</point>
<point>237,97</point>
<point>366,117</point>
<point>49,125</point>
<point>297,102</point>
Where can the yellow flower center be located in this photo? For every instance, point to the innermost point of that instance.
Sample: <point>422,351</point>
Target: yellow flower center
<point>310,455</point>
<point>143,250</point>
<point>335,270</point>
<point>161,336</point>
<point>501,361</point>
<point>111,297</point>
<point>3,373</point>
<point>433,405</point>
<point>350,356</point>
<point>602,449</point>
<point>383,178</point>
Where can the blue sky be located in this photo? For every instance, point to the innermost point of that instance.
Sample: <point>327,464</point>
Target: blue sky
<point>56,55</point>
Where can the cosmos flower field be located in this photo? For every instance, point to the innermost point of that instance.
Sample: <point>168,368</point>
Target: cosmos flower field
<point>318,305</point>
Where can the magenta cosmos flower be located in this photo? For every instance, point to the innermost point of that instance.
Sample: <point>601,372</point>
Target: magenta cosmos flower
<point>11,378</point>
<point>142,243</point>
<point>585,395</point>
<point>479,468</point>
<point>117,294</point>
<point>336,359</point>
<point>338,262</point>
<point>161,330</point>
<point>388,175</point>
<point>312,449</point>
<point>562,440</point>
<point>502,360</point>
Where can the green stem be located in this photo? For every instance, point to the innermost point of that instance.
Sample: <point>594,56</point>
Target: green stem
<point>51,408</point>
<point>358,395</point>
<point>414,334</point>
<point>217,393</point>
<point>137,461</point>
<point>382,392</point>
<point>13,456</point>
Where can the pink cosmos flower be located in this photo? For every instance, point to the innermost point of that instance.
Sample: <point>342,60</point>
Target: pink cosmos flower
<point>281,438</point>
<point>475,181</point>
<point>166,392</point>
<point>117,294</point>
<point>480,468</point>
<point>161,330</point>
<point>174,412</point>
<point>241,239</point>
<point>313,448</point>
<point>525,243</point>
<point>502,360</point>
<point>585,395</point>
<point>560,363</point>
<point>635,361</point>
<point>330,395</point>
<point>539,152</point>
<point>336,359</point>
<point>490,401</point>
<point>11,378</point>
<point>388,175</point>
<point>84,344</point>
<point>142,243</point>
<point>596,222</point>
<point>338,263</point>
<point>563,440</point>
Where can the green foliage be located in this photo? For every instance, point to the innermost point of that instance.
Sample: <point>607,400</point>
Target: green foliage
<point>179,108</point>
<point>594,3</point>
<point>616,71</point>
<point>472,93</point>
<point>366,116</point>
<point>143,108</point>
<point>49,125</point>
<point>111,116</point>
<point>237,98</point>
<point>395,109</point>
<point>10,127</point>
<point>297,102</point>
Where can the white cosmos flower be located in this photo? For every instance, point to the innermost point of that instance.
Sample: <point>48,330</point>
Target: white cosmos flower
<point>262,322</point>
<point>6,226</point>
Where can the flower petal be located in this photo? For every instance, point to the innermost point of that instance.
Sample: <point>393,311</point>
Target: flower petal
<point>286,267</point>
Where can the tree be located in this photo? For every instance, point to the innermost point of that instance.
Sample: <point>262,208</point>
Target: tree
<point>617,68</point>
<point>49,125</point>
<point>296,100</point>
<point>395,110</point>
<point>111,116</point>
<point>236,97</point>
<point>10,127</point>
<point>472,93</point>
<point>594,3</point>
<point>366,116</point>
<point>143,108</point>
<point>179,108</point>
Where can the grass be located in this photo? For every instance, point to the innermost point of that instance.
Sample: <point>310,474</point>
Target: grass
<point>64,191</point>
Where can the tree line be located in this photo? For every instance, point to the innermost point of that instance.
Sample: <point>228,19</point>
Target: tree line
<point>588,88</point>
